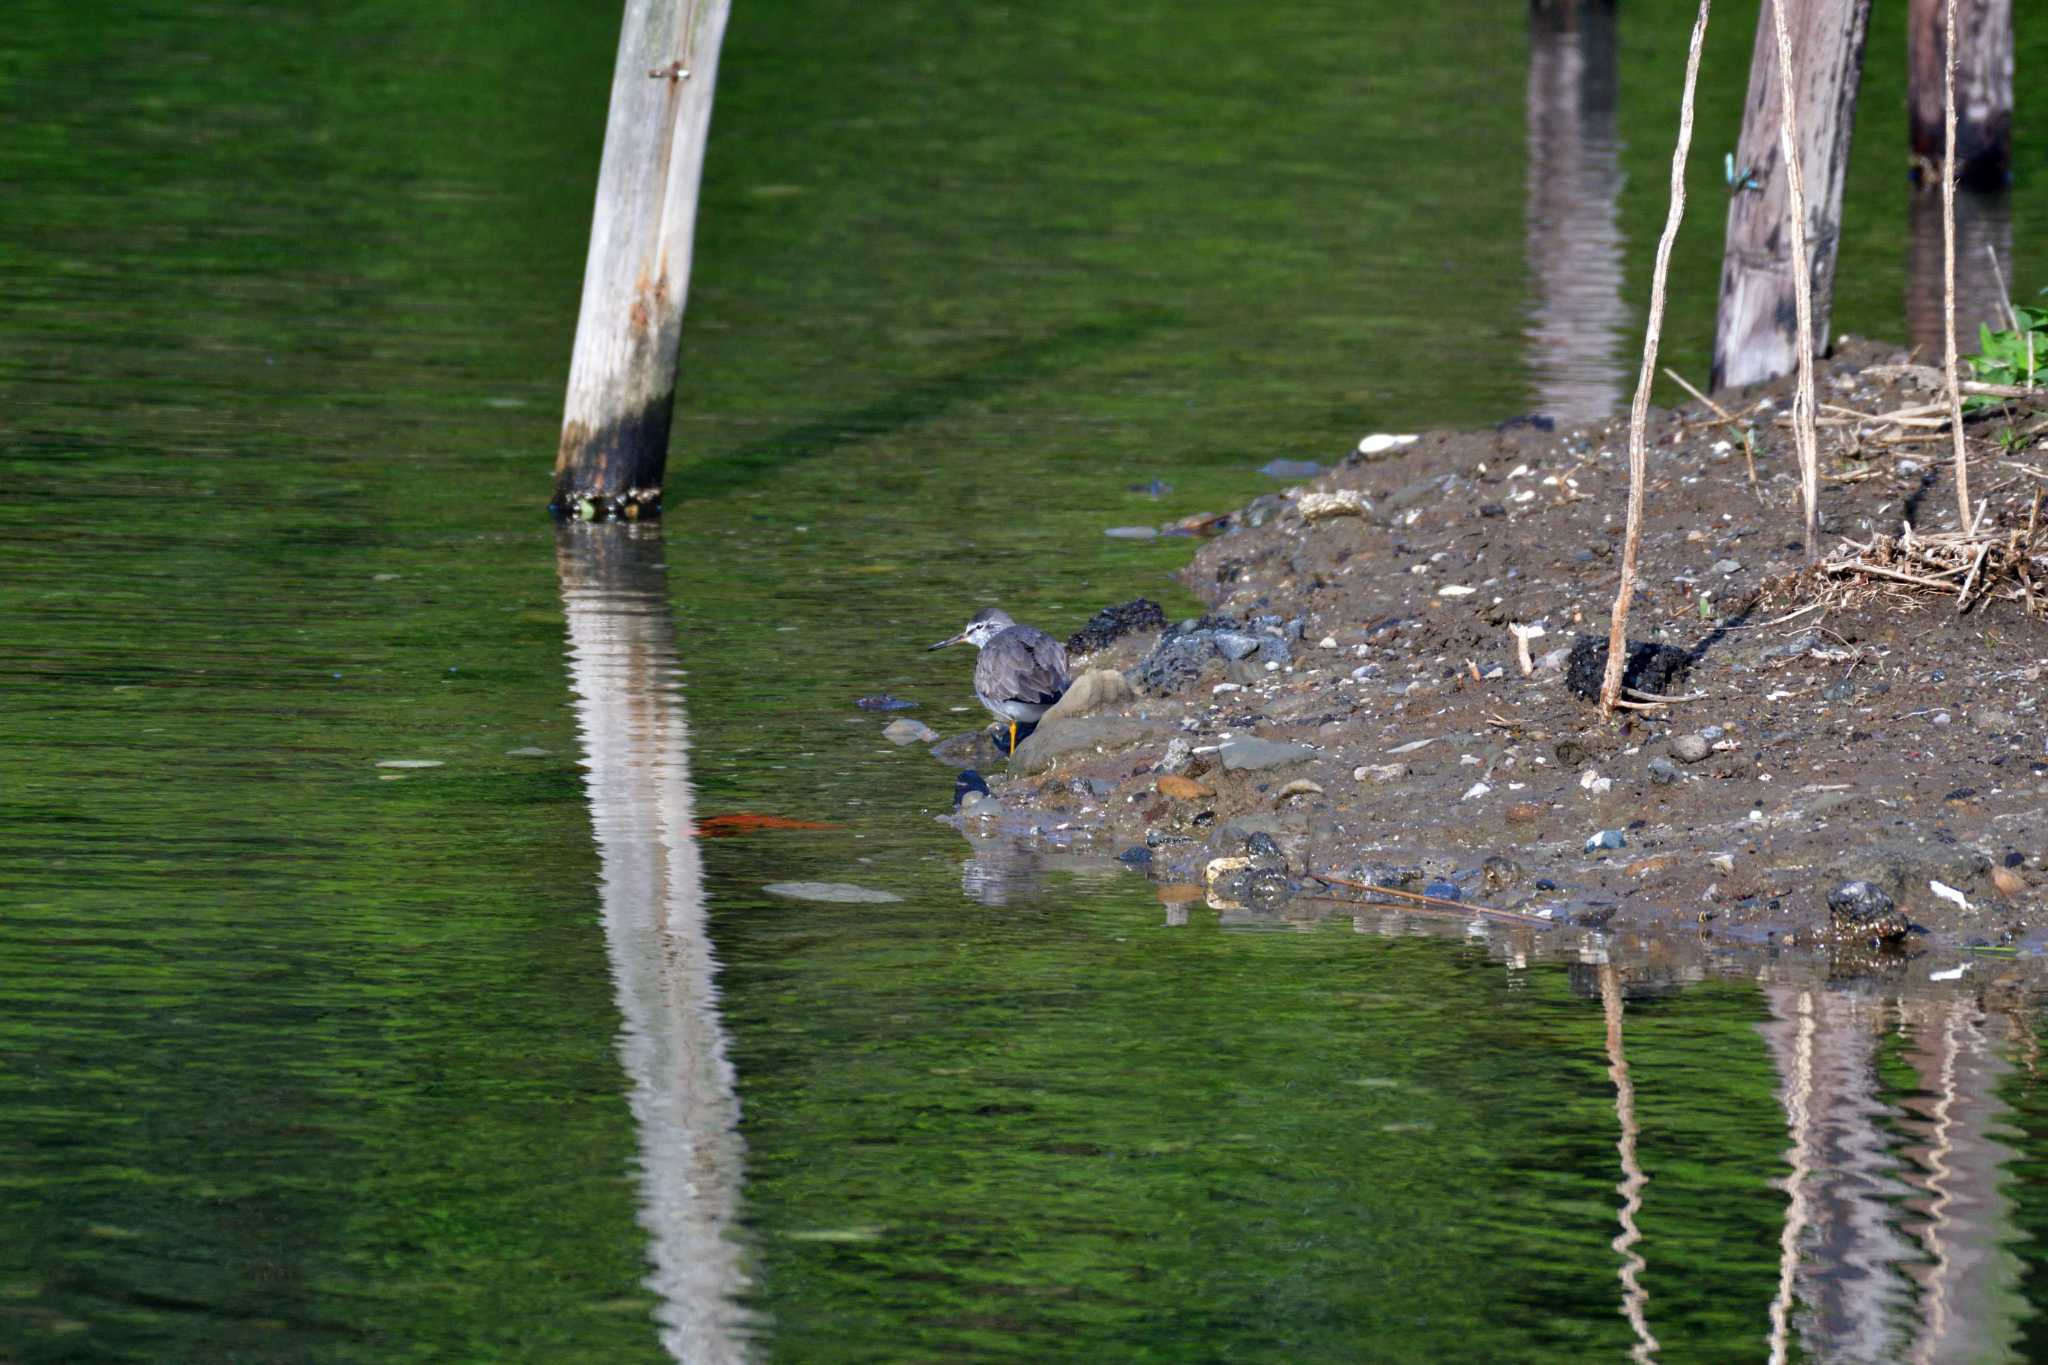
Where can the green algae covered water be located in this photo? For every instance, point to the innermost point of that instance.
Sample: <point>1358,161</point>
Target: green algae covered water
<point>356,955</point>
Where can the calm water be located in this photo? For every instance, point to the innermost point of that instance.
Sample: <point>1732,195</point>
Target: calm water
<point>306,1058</point>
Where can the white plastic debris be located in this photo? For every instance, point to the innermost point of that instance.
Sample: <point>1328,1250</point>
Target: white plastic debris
<point>1475,791</point>
<point>1949,893</point>
<point>1380,441</point>
<point>1952,974</point>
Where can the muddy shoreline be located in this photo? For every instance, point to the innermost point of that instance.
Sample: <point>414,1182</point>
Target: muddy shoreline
<point>1356,707</point>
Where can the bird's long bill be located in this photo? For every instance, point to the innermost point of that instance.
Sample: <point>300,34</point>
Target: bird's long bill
<point>950,640</point>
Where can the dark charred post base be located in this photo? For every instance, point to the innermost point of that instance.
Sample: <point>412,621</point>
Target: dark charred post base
<point>1756,332</point>
<point>622,378</point>
<point>613,474</point>
<point>1983,91</point>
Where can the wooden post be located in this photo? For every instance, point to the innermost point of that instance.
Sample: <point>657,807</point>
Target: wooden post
<point>622,376</point>
<point>1983,90</point>
<point>1754,335</point>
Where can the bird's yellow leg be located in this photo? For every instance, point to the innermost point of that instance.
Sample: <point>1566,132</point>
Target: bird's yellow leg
<point>1013,738</point>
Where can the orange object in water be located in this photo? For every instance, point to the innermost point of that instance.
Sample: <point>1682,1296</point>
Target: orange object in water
<point>747,822</point>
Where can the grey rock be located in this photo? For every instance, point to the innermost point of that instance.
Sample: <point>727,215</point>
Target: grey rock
<point>1606,839</point>
<point>1724,567</point>
<point>1175,663</point>
<point>836,893</point>
<point>1050,743</point>
<point>1841,691</point>
<point>1257,755</point>
<point>1861,908</point>
<point>1662,772</point>
<point>1179,753</point>
<point>907,731</point>
<point>1994,720</point>
<point>1235,644</point>
<point>1690,748</point>
<point>1093,690</point>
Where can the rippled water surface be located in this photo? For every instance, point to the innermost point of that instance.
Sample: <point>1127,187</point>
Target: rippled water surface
<point>304,1057</point>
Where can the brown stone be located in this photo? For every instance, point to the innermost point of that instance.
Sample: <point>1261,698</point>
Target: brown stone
<point>1522,812</point>
<point>2008,882</point>
<point>1179,893</point>
<point>1183,788</point>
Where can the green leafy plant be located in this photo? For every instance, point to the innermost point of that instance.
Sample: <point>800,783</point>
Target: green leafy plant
<point>2012,357</point>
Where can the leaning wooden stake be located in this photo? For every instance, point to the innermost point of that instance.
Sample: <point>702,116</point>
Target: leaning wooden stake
<point>1754,338</point>
<point>1802,290</point>
<point>622,377</point>
<point>1639,412</point>
<point>1948,271</point>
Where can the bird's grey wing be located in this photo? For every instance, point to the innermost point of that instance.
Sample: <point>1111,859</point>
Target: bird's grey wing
<point>1044,677</point>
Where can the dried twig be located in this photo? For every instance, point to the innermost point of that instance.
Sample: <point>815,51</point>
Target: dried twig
<point>1639,413</point>
<point>1412,899</point>
<point>1802,291</point>
<point>1948,261</point>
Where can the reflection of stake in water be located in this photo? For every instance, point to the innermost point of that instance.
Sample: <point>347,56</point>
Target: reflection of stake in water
<point>623,667</point>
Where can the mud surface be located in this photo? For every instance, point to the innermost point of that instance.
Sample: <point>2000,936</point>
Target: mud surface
<point>1381,729</point>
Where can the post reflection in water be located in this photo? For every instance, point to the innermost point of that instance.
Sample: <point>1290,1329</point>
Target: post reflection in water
<point>1633,1178</point>
<point>1859,1283</point>
<point>1574,217</point>
<point>1983,258</point>
<point>623,668</point>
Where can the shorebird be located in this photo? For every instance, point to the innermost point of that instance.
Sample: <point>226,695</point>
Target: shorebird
<point>1021,671</point>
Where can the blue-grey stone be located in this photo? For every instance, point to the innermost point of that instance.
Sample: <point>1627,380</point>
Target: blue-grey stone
<point>1256,755</point>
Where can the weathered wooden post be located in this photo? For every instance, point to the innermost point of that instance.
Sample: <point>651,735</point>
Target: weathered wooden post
<point>1754,334</point>
<point>622,376</point>
<point>1983,90</point>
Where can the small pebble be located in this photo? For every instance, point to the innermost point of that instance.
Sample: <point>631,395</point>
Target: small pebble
<point>1690,748</point>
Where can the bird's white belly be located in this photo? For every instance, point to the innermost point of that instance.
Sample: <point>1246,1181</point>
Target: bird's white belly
<point>1018,710</point>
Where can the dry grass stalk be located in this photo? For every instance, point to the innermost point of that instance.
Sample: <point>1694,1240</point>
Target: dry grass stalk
<point>1802,289</point>
<point>1639,412</point>
<point>1948,261</point>
<point>1417,901</point>
<point>1975,567</point>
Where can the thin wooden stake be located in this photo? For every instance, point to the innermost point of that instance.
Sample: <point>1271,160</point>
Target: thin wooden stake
<point>1948,266</point>
<point>1639,412</point>
<point>1802,290</point>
